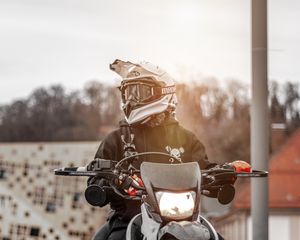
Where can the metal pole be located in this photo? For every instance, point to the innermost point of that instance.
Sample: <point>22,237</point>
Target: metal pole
<point>259,120</point>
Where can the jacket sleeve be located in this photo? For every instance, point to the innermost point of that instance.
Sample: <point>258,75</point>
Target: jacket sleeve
<point>199,154</point>
<point>108,148</point>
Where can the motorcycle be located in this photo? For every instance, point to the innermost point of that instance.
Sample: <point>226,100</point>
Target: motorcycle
<point>169,193</point>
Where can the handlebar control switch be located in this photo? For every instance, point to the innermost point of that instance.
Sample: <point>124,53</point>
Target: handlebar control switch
<point>99,164</point>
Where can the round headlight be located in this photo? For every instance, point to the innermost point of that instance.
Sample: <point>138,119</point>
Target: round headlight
<point>176,205</point>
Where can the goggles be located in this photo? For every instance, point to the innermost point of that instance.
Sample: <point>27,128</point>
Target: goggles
<point>143,90</point>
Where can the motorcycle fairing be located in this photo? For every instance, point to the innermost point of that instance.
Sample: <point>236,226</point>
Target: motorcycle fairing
<point>185,230</point>
<point>171,177</point>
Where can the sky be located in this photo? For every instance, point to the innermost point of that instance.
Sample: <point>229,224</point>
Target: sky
<point>71,42</point>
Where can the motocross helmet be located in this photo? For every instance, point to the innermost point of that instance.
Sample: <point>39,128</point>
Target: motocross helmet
<point>146,89</point>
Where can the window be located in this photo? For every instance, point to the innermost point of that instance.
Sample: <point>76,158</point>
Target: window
<point>39,196</point>
<point>51,207</point>
<point>2,174</point>
<point>34,231</point>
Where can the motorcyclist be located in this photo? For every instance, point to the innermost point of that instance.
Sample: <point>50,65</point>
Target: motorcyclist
<point>149,102</point>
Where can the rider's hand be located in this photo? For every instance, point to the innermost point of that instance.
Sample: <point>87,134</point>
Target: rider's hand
<point>241,166</point>
<point>131,191</point>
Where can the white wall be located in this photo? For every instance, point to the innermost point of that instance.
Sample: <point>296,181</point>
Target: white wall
<point>279,228</point>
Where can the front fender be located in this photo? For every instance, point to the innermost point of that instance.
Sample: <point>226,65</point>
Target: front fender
<point>185,231</point>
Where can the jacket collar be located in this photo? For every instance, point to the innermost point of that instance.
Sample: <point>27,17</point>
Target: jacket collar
<point>170,120</point>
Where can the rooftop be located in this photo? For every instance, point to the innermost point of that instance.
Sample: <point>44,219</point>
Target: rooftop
<point>284,178</point>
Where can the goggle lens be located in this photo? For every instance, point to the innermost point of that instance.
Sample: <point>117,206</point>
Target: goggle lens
<point>138,92</point>
<point>143,91</point>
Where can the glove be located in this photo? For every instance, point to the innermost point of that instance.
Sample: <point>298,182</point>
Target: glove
<point>241,166</point>
<point>131,191</point>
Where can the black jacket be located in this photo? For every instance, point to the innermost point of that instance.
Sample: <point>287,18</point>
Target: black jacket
<point>169,137</point>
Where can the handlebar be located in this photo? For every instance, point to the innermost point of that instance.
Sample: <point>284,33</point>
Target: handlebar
<point>76,171</point>
<point>253,173</point>
<point>73,172</point>
<point>120,179</point>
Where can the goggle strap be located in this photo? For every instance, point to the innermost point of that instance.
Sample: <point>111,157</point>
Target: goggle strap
<point>168,90</point>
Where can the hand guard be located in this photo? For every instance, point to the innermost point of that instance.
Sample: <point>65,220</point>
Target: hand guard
<point>241,166</point>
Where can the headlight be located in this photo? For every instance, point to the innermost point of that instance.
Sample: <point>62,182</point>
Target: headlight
<point>176,205</point>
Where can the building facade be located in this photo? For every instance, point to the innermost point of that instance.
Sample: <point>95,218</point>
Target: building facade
<point>36,204</point>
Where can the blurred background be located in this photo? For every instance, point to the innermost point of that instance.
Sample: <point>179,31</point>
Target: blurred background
<point>58,99</point>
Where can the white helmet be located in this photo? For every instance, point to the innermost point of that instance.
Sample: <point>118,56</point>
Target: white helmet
<point>146,90</point>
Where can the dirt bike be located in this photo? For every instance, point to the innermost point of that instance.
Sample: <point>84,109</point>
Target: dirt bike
<point>169,193</point>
